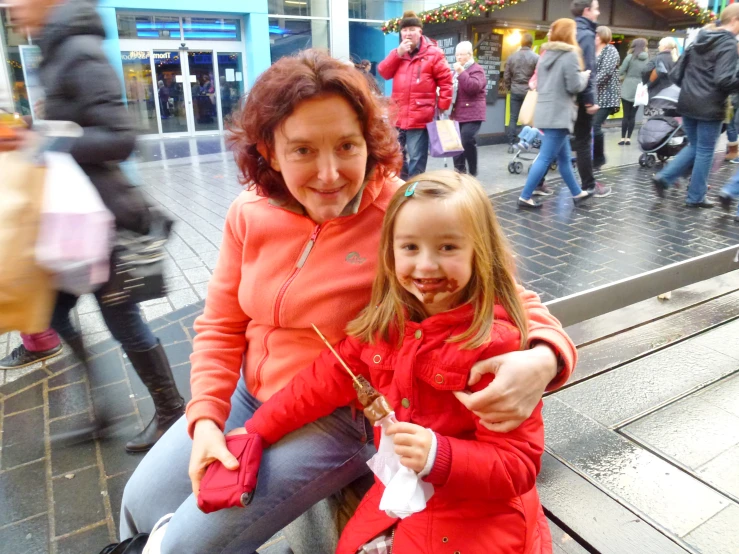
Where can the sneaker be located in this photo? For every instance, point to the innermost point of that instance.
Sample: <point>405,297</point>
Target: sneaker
<point>580,199</point>
<point>20,357</point>
<point>734,161</point>
<point>600,191</point>
<point>543,190</point>
<point>529,204</point>
<point>705,204</point>
<point>725,202</point>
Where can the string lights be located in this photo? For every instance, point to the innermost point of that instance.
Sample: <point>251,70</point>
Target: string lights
<point>456,12</point>
<point>691,8</point>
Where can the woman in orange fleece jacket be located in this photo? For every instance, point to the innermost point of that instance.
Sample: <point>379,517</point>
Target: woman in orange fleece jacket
<point>299,247</point>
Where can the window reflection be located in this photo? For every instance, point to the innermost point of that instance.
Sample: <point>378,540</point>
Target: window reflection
<point>139,90</point>
<point>288,36</point>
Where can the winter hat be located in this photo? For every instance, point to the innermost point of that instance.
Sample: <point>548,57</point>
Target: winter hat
<point>410,19</point>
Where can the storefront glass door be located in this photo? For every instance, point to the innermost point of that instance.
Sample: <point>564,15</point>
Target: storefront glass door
<point>170,92</point>
<point>203,91</point>
<point>230,83</point>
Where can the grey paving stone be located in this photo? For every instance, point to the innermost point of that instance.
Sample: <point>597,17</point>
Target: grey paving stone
<point>197,275</point>
<point>26,537</point>
<point>179,353</point>
<point>637,387</point>
<point>92,540</point>
<point>719,535</point>
<point>77,501</point>
<point>30,378</point>
<point>30,398</point>
<point>724,339</point>
<point>153,312</point>
<point>181,298</point>
<point>67,457</point>
<point>175,284</point>
<point>68,400</point>
<point>171,334</point>
<point>722,471</point>
<point>113,400</point>
<point>182,380</point>
<point>675,500</point>
<point>23,438</point>
<point>17,375</point>
<point>92,322</point>
<point>23,491</point>
<point>74,374</point>
<point>106,369</point>
<point>115,459</point>
<point>691,431</point>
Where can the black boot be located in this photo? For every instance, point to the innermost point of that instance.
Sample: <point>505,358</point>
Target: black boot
<point>153,369</point>
<point>599,153</point>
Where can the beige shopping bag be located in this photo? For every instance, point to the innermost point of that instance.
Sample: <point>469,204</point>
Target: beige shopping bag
<point>526,115</point>
<point>26,291</point>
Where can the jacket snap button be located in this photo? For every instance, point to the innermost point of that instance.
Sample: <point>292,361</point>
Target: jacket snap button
<point>377,359</point>
<point>406,403</point>
<point>439,378</point>
<point>445,539</point>
<point>418,334</point>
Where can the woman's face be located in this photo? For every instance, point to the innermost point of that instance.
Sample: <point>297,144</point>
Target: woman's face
<point>463,57</point>
<point>598,42</point>
<point>322,154</point>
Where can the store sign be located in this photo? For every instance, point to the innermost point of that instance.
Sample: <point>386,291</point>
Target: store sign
<point>144,55</point>
<point>489,52</point>
<point>448,45</point>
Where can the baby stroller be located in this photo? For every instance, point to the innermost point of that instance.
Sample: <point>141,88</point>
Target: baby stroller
<point>530,139</point>
<point>661,136</point>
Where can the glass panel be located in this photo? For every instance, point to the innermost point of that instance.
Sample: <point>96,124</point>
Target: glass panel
<point>140,90</point>
<point>203,91</point>
<point>367,42</point>
<point>170,92</point>
<point>148,26</point>
<point>315,8</point>
<point>288,36</point>
<point>199,28</point>
<point>230,82</point>
<point>383,10</point>
<point>13,38</point>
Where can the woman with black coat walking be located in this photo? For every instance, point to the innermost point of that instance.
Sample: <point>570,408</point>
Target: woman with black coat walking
<point>81,86</point>
<point>706,74</point>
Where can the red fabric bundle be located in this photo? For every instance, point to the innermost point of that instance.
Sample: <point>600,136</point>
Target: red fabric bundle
<point>222,488</point>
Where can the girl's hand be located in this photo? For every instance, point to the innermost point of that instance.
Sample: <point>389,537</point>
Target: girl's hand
<point>521,378</point>
<point>412,444</point>
<point>208,445</point>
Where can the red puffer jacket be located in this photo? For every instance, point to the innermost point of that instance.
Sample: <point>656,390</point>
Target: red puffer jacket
<point>415,80</point>
<point>485,500</point>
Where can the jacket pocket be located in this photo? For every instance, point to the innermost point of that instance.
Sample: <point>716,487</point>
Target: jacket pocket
<point>424,110</point>
<point>380,367</point>
<point>434,384</point>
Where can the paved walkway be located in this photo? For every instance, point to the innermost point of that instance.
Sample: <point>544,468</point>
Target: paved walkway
<point>67,500</point>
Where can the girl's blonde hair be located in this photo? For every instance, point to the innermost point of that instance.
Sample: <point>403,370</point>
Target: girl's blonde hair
<point>493,268</point>
<point>668,44</point>
<point>565,30</point>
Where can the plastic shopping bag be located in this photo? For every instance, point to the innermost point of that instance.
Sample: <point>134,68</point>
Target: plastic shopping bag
<point>444,138</point>
<point>26,291</point>
<point>642,95</point>
<point>76,232</point>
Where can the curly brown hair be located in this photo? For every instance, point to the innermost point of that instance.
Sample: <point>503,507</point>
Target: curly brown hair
<point>275,96</point>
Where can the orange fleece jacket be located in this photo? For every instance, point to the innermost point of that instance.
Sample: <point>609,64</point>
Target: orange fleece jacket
<point>278,272</point>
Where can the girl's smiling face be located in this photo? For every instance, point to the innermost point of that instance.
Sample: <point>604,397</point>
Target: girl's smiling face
<point>433,253</point>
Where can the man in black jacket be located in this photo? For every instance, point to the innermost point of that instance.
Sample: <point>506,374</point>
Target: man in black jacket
<point>586,14</point>
<point>519,69</point>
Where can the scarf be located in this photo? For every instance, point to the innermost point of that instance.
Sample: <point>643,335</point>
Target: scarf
<point>455,81</point>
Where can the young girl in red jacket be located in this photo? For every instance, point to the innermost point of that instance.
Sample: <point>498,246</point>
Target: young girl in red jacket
<point>444,298</point>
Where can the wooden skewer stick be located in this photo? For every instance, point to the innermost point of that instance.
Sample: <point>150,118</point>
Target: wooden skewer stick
<point>337,355</point>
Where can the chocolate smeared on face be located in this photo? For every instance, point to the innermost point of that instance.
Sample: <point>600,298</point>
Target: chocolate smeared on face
<point>451,286</point>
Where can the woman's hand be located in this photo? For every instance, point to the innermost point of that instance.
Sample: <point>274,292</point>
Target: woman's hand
<point>521,378</point>
<point>458,67</point>
<point>412,444</point>
<point>208,445</point>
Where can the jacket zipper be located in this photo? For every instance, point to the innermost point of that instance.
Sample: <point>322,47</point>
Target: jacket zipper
<point>392,540</point>
<point>278,302</point>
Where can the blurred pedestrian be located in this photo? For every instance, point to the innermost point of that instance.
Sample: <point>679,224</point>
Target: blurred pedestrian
<point>706,74</point>
<point>631,71</point>
<point>365,67</point>
<point>519,69</point>
<point>657,71</point>
<point>418,68</point>
<point>81,86</point>
<point>609,90</point>
<point>468,105</point>
<point>560,77</point>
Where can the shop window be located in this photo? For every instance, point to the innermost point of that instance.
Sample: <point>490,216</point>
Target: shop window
<point>289,36</point>
<point>230,83</point>
<point>367,42</point>
<point>148,27</point>
<point>311,8</point>
<point>139,88</point>
<point>13,39</point>
<point>200,28</point>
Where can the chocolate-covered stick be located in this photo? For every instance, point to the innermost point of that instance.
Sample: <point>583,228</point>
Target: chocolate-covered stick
<point>331,348</point>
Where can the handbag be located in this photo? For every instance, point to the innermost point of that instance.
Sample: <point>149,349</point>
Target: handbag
<point>642,95</point>
<point>137,265</point>
<point>223,488</point>
<point>134,545</point>
<point>444,138</point>
<point>526,115</point>
<point>678,72</point>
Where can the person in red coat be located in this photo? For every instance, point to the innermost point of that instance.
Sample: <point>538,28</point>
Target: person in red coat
<point>469,105</point>
<point>417,67</point>
<point>444,298</point>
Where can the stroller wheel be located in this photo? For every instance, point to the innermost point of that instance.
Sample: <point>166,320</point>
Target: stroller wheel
<point>518,167</point>
<point>651,160</point>
<point>511,167</point>
<point>553,166</point>
<point>643,160</point>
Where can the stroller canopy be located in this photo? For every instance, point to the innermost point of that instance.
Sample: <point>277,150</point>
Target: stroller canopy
<point>666,99</point>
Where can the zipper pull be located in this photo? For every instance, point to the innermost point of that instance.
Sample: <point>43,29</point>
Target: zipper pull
<point>309,247</point>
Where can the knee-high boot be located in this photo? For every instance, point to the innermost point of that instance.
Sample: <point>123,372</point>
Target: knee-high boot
<point>153,369</point>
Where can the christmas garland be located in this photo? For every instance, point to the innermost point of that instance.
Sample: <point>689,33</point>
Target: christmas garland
<point>689,7</point>
<point>456,12</point>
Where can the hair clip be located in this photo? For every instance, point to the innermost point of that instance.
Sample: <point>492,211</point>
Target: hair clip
<point>411,189</point>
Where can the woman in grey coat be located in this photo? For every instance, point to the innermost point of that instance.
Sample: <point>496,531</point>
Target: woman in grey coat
<point>631,70</point>
<point>559,79</point>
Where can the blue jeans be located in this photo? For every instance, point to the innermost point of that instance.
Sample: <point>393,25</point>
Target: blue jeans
<point>702,138</point>
<point>124,322</point>
<point>732,189</point>
<point>304,467</point>
<point>415,144</point>
<point>555,145</point>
